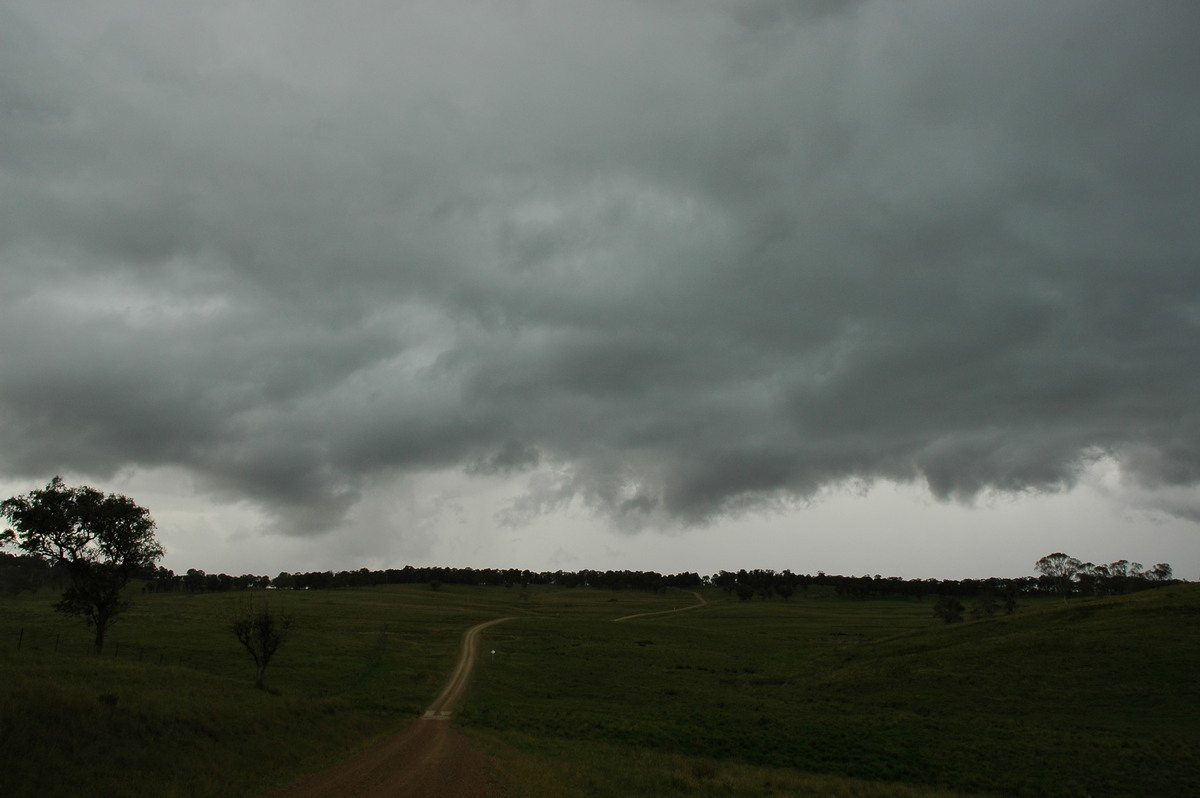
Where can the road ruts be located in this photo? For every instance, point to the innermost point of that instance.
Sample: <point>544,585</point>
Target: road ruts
<point>445,704</point>
<point>429,759</point>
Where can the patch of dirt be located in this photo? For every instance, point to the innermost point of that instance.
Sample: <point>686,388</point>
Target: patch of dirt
<point>429,758</point>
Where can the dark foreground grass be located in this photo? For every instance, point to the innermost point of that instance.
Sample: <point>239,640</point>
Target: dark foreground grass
<point>564,769</point>
<point>170,708</point>
<point>817,696</point>
<point>1098,699</point>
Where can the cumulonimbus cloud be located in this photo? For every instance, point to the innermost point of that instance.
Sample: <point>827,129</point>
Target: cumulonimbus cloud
<point>685,259</point>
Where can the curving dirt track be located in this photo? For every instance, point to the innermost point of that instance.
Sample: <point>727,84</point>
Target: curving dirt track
<point>699,598</point>
<point>429,758</point>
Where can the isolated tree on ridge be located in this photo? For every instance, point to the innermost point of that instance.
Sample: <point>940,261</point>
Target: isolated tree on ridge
<point>1060,569</point>
<point>100,541</point>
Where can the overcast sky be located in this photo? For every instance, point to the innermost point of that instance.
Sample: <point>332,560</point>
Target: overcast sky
<point>865,286</point>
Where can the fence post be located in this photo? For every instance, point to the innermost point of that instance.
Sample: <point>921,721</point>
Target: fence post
<point>116,649</point>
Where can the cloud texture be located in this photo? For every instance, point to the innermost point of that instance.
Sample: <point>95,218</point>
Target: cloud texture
<point>674,260</point>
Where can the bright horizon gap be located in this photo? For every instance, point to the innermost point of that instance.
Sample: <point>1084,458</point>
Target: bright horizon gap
<point>448,520</point>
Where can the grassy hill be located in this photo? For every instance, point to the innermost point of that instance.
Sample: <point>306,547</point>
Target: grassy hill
<point>1100,698</point>
<point>816,696</point>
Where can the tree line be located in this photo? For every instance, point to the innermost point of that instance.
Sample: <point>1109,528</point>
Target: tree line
<point>93,544</point>
<point>1086,579</point>
<point>1068,577</point>
<point>195,581</point>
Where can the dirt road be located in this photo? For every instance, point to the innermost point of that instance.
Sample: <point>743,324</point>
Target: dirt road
<point>699,598</point>
<point>444,705</point>
<point>429,758</point>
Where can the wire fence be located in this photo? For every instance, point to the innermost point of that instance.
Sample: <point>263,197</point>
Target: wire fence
<point>30,640</point>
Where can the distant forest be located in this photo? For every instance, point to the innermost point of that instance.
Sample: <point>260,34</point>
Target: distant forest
<point>20,573</point>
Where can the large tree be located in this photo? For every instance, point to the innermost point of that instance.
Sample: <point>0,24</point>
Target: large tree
<point>99,540</point>
<point>1060,569</point>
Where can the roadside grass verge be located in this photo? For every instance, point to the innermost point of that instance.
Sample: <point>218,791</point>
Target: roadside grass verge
<point>563,769</point>
<point>113,728</point>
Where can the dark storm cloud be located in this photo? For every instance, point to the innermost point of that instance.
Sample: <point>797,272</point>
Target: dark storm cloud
<point>676,260</point>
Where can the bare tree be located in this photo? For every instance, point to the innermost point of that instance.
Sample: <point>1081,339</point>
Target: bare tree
<point>262,631</point>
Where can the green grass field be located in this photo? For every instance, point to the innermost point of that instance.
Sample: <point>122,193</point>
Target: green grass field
<point>816,696</point>
<point>1097,699</point>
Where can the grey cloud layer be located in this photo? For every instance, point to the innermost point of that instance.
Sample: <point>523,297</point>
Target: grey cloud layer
<point>686,258</point>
